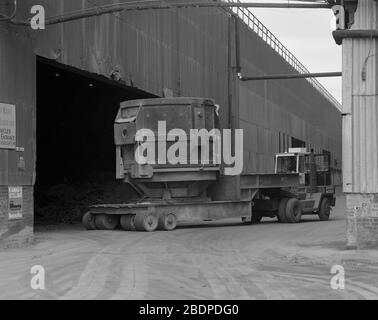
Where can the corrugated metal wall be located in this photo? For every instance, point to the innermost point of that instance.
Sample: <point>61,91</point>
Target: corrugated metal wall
<point>186,51</point>
<point>143,45</point>
<point>360,105</point>
<point>292,108</point>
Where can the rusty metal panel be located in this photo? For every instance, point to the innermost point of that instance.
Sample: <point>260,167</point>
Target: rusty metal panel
<point>17,84</point>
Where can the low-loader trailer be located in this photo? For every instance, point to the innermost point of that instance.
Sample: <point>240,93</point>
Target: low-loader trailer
<point>183,192</point>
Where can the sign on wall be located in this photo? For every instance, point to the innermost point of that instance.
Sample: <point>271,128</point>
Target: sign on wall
<point>15,203</point>
<point>7,126</point>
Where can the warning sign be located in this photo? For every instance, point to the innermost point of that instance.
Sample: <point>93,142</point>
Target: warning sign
<point>7,126</point>
<point>15,203</point>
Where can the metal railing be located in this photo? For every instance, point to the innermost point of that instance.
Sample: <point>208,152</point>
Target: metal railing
<point>246,15</point>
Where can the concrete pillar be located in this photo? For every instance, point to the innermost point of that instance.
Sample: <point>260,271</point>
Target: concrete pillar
<point>360,128</point>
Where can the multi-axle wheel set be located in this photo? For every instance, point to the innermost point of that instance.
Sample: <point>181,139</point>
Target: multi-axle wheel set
<point>160,216</point>
<point>130,222</point>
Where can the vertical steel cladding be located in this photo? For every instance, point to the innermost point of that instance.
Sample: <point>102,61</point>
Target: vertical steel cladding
<point>360,105</point>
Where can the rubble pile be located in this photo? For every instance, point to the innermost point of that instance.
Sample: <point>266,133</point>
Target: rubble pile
<point>66,203</point>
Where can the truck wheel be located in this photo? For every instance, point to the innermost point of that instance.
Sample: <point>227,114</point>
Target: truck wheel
<point>324,210</point>
<point>106,222</point>
<point>127,222</point>
<point>167,222</point>
<point>89,221</point>
<point>282,210</point>
<point>293,211</point>
<point>145,222</point>
<point>256,217</point>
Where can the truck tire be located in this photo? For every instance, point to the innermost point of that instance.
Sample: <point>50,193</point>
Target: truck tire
<point>127,222</point>
<point>324,210</point>
<point>88,221</point>
<point>293,211</point>
<point>282,210</point>
<point>145,222</point>
<point>167,222</point>
<point>106,221</point>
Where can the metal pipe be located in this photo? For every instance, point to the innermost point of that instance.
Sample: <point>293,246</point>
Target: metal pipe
<point>291,76</point>
<point>159,5</point>
<point>339,35</point>
<point>237,46</point>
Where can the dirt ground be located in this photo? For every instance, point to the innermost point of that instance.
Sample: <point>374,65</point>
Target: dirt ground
<point>225,260</point>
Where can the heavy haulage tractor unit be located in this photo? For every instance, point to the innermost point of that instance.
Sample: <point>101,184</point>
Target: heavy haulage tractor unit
<point>316,192</point>
<point>170,194</point>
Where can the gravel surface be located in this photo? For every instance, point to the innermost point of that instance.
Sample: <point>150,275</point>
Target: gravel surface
<point>225,260</point>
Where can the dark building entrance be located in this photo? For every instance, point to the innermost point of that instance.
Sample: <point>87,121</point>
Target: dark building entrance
<point>75,148</point>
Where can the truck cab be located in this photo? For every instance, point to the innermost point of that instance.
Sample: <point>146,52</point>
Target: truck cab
<point>307,164</point>
<point>316,191</point>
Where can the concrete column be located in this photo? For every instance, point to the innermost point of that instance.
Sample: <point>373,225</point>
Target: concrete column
<point>360,129</point>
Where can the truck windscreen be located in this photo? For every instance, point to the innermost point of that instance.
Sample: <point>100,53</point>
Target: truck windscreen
<point>287,164</point>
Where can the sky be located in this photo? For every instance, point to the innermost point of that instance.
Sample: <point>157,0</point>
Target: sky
<point>307,33</point>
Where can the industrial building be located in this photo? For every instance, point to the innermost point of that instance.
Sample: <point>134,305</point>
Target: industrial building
<point>60,90</point>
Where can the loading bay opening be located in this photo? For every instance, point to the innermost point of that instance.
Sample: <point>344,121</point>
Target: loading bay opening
<point>75,165</point>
